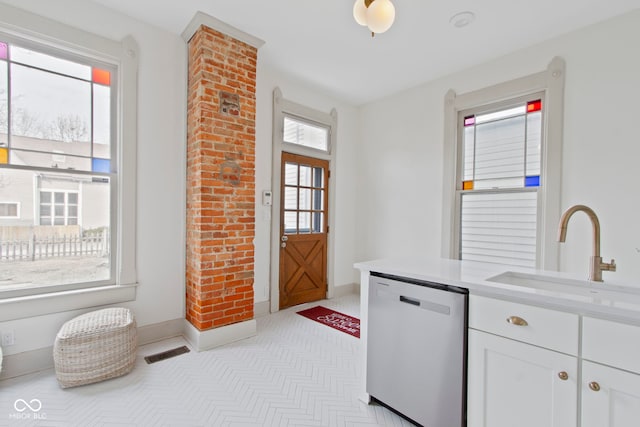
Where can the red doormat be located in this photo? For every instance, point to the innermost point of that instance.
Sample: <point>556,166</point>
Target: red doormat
<point>339,321</point>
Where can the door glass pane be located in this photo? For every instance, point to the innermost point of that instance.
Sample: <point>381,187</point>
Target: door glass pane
<point>305,176</point>
<point>305,199</point>
<point>305,222</point>
<point>291,174</point>
<point>45,197</point>
<point>318,177</point>
<point>290,198</point>
<point>318,200</point>
<point>59,197</point>
<point>318,224</point>
<point>290,222</point>
<point>73,197</point>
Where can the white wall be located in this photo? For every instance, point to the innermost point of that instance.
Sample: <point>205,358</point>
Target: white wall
<point>161,165</point>
<point>344,209</point>
<point>400,161</point>
<point>161,170</point>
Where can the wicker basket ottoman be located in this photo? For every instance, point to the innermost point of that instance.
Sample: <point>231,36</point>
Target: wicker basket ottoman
<point>95,346</point>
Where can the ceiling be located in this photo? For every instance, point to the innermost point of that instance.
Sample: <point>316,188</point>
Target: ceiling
<point>320,42</point>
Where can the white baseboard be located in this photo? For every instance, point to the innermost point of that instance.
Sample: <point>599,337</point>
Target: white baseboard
<point>341,291</point>
<point>160,331</point>
<point>28,362</point>
<point>261,309</point>
<point>206,340</point>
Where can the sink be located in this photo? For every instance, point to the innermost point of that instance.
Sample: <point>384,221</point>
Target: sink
<point>559,286</point>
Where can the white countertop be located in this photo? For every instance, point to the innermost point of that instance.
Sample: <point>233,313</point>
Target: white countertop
<point>608,299</point>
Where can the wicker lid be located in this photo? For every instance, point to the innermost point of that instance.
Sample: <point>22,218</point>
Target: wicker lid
<point>96,322</point>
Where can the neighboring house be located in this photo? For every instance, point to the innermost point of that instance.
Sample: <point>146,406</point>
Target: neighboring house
<point>30,199</point>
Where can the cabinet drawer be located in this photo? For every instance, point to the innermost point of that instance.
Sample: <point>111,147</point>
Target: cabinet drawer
<point>611,343</point>
<point>547,328</point>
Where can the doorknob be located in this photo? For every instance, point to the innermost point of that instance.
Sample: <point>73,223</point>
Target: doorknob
<point>283,245</point>
<point>285,238</point>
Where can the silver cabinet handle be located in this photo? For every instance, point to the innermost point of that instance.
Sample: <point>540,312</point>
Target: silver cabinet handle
<point>518,321</point>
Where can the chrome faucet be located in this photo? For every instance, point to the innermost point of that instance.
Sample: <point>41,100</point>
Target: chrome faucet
<point>596,266</point>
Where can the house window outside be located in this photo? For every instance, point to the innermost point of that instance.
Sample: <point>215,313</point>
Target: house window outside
<point>57,157</point>
<point>9,210</point>
<point>499,179</point>
<point>58,208</point>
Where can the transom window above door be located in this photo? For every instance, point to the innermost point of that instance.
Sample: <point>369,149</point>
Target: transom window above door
<point>305,133</point>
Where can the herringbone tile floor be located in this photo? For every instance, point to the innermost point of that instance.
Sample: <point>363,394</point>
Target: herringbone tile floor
<point>295,372</point>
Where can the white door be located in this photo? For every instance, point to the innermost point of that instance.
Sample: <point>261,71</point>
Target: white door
<point>610,397</point>
<point>515,384</point>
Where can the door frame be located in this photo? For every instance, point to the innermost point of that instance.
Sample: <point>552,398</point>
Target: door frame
<point>282,107</point>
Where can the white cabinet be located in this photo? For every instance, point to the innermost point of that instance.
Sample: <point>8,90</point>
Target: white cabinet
<point>610,397</point>
<point>512,382</point>
<point>610,394</point>
<point>524,364</point>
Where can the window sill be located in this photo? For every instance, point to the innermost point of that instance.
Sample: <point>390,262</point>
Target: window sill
<point>56,302</point>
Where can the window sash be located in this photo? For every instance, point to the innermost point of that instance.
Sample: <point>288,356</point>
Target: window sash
<point>88,160</point>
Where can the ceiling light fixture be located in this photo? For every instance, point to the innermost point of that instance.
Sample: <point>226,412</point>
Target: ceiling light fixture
<point>378,15</point>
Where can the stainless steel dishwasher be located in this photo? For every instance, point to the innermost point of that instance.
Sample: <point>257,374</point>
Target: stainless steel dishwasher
<point>416,350</point>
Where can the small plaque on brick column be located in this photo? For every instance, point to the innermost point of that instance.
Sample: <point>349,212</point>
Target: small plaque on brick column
<point>229,103</point>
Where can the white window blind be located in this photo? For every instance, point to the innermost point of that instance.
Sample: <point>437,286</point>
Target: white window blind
<point>499,227</point>
<point>300,132</point>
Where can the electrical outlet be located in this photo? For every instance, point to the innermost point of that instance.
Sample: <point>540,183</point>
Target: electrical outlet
<point>8,339</point>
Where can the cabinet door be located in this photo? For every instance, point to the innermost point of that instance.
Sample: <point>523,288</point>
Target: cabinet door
<point>616,403</point>
<point>515,384</point>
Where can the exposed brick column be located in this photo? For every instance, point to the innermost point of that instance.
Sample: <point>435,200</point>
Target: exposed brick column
<point>220,180</point>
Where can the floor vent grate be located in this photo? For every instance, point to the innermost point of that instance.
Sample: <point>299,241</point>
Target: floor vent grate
<point>166,354</point>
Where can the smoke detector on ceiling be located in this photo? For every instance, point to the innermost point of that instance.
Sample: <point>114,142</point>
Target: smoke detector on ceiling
<point>462,19</point>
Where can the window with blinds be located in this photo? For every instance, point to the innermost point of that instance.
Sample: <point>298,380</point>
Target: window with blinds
<point>498,184</point>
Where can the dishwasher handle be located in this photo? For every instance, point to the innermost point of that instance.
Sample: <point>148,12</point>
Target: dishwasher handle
<point>409,301</point>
